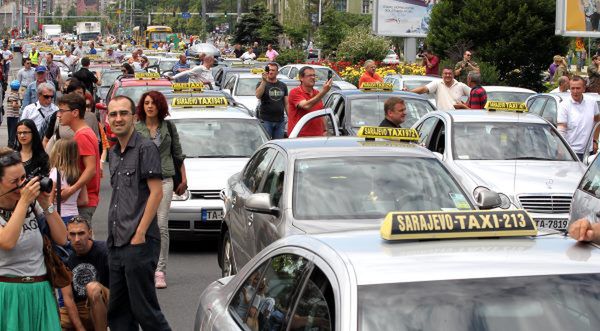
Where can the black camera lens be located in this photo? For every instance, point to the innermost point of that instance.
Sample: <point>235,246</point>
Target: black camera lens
<point>45,184</point>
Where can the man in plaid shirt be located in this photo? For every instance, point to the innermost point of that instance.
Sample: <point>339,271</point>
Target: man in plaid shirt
<point>477,96</point>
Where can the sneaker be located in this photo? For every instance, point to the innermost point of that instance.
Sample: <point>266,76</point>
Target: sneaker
<point>159,280</point>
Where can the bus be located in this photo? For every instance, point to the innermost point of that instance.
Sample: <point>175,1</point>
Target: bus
<point>154,33</point>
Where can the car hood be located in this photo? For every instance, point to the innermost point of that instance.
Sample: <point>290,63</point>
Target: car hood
<point>211,173</point>
<point>249,101</point>
<point>517,177</point>
<point>324,226</point>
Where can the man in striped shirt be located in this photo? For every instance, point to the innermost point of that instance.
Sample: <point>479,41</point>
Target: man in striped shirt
<point>477,96</point>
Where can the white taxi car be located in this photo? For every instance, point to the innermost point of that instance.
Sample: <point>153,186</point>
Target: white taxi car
<point>242,87</point>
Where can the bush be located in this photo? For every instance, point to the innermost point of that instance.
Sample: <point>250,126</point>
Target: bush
<point>290,56</point>
<point>360,45</point>
<point>489,72</point>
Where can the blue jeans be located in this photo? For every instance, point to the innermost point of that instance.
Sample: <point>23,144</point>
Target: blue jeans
<point>11,126</point>
<point>274,129</point>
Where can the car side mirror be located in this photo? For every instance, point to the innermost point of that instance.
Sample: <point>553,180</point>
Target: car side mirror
<point>590,159</point>
<point>488,200</point>
<point>261,203</point>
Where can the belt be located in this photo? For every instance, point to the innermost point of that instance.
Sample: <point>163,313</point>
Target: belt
<point>26,279</point>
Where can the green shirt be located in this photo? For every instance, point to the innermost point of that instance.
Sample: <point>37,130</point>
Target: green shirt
<point>463,73</point>
<point>167,153</point>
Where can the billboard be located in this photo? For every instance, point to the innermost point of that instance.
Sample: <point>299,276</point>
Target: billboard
<point>578,18</point>
<point>402,18</point>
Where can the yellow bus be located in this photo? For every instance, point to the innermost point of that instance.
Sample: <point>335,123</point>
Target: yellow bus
<point>154,33</point>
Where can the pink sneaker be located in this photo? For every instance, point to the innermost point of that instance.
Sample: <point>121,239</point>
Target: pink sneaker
<point>159,280</point>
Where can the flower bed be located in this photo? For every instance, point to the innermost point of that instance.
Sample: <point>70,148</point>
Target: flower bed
<point>352,72</point>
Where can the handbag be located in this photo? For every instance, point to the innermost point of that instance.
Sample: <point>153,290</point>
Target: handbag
<point>58,273</point>
<point>177,163</point>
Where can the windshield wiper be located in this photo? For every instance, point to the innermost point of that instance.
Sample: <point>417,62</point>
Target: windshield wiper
<point>531,158</point>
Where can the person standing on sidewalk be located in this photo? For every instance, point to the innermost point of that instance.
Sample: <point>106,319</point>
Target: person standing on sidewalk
<point>25,76</point>
<point>133,235</point>
<point>152,110</point>
<point>12,105</point>
<point>273,96</point>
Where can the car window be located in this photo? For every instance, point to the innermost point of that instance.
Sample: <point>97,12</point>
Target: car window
<point>135,92</point>
<point>246,86</point>
<point>438,138</point>
<point>550,111</point>
<point>591,180</point>
<point>274,182</point>
<point>293,73</point>
<point>508,96</point>
<point>243,298</point>
<point>229,84</point>
<point>316,307</point>
<point>369,111</point>
<point>256,167</point>
<point>537,106</point>
<point>331,100</point>
<point>426,130</point>
<point>165,66</point>
<point>284,71</point>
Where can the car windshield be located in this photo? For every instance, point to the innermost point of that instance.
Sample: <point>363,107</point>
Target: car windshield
<point>508,141</point>
<point>219,137</point>
<point>246,86</point>
<point>135,92</point>
<point>165,66</point>
<point>508,96</point>
<point>544,303</point>
<point>323,72</point>
<point>368,111</point>
<point>368,187</point>
<point>109,77</point>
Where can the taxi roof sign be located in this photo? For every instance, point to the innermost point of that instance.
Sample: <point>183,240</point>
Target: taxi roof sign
<point>402,134</point>
<point>187,102</point>
<point>146,75</point>
<point>256,71</point>
<point>506,106</point>
<point>457,224</point>
<point>377,86</point>
<point>181,87</point>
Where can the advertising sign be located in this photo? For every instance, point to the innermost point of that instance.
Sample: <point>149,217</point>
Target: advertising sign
<point>402,18</point>
<point>578,18</point>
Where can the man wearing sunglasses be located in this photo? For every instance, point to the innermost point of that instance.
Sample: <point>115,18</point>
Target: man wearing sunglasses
<point>41,110</point>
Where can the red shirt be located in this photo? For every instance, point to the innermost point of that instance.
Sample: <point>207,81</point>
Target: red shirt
<point>315,127</point>
<point>87,144</point>
<point>435,66</point>
<point>367,78</point>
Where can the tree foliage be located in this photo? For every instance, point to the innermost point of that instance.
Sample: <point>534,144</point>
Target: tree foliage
<point>259,26</point>
<point>336,25</point>
<point>360,45</point>
<point>515,36</point>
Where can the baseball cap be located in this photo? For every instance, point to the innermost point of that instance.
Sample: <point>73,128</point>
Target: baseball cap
<point>40,69</point>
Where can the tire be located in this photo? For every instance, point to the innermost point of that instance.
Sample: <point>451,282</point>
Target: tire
<point>227,262</point>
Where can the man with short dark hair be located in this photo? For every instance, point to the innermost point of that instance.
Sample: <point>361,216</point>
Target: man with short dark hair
<point>86,299</point>
<point>477,96</point>
<point>86,76</point>
<point>464,67</point>
<point>53,70</point>
<point>181,66</point>
<point>273,96</point>
<point>305,99</point>
<point>133,234</point>
<point>395,113</point>
<point>431,63</point>
<point>32,92</point>
<point>448,91</point>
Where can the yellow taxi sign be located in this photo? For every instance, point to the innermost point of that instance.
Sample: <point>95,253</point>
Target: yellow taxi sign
<point>198,87</point>
<point>199,102</point>
<point>377,86</point>
<point>262,59</point>
<point>402,134</point>
<point>257,71</point>
<point>506,106</point>
<point>146,75</point>
<point>241,64</point>
<point>457,224</point>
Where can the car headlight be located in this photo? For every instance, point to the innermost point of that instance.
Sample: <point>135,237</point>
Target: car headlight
<point>183,197</point>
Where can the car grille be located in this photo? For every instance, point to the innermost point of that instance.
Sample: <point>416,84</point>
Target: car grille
<point>179,225</point>
<point>546,204</point>
<point>207,194</point>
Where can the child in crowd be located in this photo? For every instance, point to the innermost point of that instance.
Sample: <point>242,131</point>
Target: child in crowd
<point>12,105</point>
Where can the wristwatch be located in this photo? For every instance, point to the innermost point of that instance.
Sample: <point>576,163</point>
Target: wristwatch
<point>49,210</point>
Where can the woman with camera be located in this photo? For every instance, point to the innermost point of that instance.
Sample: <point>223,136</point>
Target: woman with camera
<point>29,145</point>
<point>26,297</point>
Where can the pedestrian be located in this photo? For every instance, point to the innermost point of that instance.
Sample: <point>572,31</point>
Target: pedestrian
<point>581,56</point>
<point>477,96</point>
<point>63,163</point>
<point>271,53</point>
<point>273,96</point>
<point>394,110</point>
<point>40,111</point>
<point>181,66</point>
<point>31,95</point>
<point>556,60</point>
<point>87,297</point>
<point>78,51</point>
<point>561,70</point>
<point>594,75</point>
<point>237,50</point>
<point>72,113</point>
<point>144,63</point>
<point>369,76</point>
<point>12,105</point>
<point>585,231</point>
<point>93,50</point>
<point>34,56</point>
<point>7,56</point>
<point>26,296</point>
<point>462,68</point>
<point>25,76</point>
<point>133,234</point>
<point>200,73</point>
<point>448,92</point>
<point>29,146</point>
<point>85,76</point>
<point>151,111</point>
<point>431,63</point>
<point>53,70</point>
<point>563,85</point>
<point>69,59</point>
<point>577,116</point>
<point>110,54</point>
<point>248,55</point>
<point>305,99</point>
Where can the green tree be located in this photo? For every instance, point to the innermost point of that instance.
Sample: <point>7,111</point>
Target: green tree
<point>336,25</point>
<point>360,45</point>
<point>515,36</point>
<point>259,26</point>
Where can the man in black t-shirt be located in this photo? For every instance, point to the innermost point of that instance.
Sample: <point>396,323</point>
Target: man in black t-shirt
<point>86,299</point>
<point>85,76</point>
<point>273,96</point>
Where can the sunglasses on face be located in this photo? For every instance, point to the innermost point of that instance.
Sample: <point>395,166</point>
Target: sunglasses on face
<point>47,96</point>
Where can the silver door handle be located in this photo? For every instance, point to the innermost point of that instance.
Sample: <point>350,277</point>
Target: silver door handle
<point>250,219</point>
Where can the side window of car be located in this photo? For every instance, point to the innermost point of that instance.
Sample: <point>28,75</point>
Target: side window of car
<point>550,111</point>
<point>293,73</point>
<point>256,167</point>
<point>316,306</point>
<point>284,71</point>
<point>537,106</point>
<point>244,297</point>
<point>274,181</point>
<point>591,180</point>
<point>438,138</point>
<point>332,100</point>
<point>229,84</point>
<point>426,130</point>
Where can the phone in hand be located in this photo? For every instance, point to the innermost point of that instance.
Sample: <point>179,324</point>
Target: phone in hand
<point>329,74</point>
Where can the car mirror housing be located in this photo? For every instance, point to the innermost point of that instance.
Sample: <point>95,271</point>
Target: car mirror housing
<point>488,200</point>
<point>261,203</point>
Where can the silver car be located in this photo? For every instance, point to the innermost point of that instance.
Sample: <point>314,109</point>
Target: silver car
<point>521,156</point>
<point>354,280</point>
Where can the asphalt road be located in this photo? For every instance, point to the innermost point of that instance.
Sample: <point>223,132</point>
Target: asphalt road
<point>192,266</point>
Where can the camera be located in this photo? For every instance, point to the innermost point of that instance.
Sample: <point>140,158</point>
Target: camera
<point>45,182</point>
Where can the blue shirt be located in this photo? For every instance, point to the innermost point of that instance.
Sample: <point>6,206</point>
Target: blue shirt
<point>93,51</point>
<point>176,67</point>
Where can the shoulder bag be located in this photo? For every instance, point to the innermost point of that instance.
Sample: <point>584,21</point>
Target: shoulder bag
<point>58,273</point>
<point>176,162</point>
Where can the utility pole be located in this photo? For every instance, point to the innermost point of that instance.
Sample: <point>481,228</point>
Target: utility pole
<point>239,11</point>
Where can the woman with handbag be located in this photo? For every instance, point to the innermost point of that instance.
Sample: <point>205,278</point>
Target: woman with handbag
<point>26,296</point>
<point>151,111</point>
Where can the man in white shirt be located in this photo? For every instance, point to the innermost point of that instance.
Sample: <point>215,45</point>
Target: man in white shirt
<point>576,117</point>
<point>201,73</point>
<point>70,59</point>
<point>563,85</point>
<point>448,92</point>
<point>78,52</point>
<point>248,55</point>
<point>7,56</point>
<point>25,76</point>
<point>41,111</point>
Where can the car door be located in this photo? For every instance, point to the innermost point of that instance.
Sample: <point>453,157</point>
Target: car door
<point>586,200</point>
<point>240,225</point>
<point>550,111</point>
<point>425,130</point>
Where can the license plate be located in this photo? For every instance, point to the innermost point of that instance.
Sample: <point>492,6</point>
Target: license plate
<point>212,215</point>
<point>557,224</point>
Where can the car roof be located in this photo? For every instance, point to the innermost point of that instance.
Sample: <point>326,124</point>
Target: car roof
<point>358,93</point>
<point>300,65</point>
<point>376,261</point>
<point>489,116</point>
<point>337,146</point>
<point>562,95</point>
<point>141,82</point>
<point>492,88</point>
<point>224,112</point>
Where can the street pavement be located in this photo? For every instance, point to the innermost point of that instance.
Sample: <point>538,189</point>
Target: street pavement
<point>192,266</point>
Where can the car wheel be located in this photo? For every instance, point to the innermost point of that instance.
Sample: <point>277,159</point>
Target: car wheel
<point>227,263</point>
